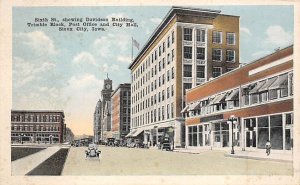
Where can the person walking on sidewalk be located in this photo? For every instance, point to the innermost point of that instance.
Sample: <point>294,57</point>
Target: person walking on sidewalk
<point>268,147</point>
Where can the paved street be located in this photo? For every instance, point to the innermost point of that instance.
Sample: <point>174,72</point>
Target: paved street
<point>134,161</point>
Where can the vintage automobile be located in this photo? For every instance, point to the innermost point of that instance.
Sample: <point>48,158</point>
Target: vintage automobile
<point>166,144</point>
<point>92,151</point>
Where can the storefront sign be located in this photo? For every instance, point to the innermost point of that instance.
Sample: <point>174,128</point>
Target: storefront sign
<point>211,118</point>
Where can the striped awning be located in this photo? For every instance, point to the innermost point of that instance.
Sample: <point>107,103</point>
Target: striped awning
<point>232,95</point>
<point>185,109</point>
<point>280,83</point>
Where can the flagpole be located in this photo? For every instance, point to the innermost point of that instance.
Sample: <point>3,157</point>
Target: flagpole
<point>131,48</point>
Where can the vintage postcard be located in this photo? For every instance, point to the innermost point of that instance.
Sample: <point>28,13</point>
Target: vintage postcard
<point>135,93</point>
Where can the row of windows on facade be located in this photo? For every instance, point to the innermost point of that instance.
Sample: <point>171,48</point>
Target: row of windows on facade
<point>35,118</point>
<point>272,127</point>
<point>37,135</point>
<point>154,115</point>
<point>34,128</point>
<point>152,72</point>
<point>154,99</point>
<point>216,54</point>
<point>154,85</point>
<point>261,91</point>
<point>217,36</point>
<point>153,57</point>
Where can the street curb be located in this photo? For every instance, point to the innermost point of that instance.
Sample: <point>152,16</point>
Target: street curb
<point>187,152</point>
<point>257,158</point>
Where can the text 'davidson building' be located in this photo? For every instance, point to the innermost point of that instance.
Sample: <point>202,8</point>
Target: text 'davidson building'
<point>259,95</point>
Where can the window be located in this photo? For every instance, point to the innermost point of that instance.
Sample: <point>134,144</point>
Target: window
<point>159,51</point>
<point>186,86</point>
<point>291,84</point>
<point>172,72</point>
<point>187,34</point>
<point>230,55</point>
<point>163,79</point>
<point>187,52</point>
<point>162,113</point>
<point>172,55</point>
<point>200,71</point>
<point>168,75</point>
<point>200,53</point>
<point>172,110</point>
<point>217,71</point>
<point>168,58</point>
<point>163,95</point>
<point>168,111</point>
<point>217,54</point>
<point>187,70</point>
<point>217,37</point>
<point>163,63</point>
<point>159,66</point>
<point>168,44</point>
<point>230,38</point>
<point>201,35</point>
<point>159,97</point>
<point>172,90</point>
<point>173,36</point>
<point>168,92</point>
<point>163,50</point>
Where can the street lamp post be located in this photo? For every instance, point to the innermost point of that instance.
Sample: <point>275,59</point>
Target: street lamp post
<point>173,128</point>
<point>21,135</point>
<point>232,120</point>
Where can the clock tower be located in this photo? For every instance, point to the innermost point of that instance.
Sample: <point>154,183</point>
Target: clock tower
<point>106,91</point>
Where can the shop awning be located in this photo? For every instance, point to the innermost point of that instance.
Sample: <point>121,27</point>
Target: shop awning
<point>138,131</point>
<point>280,83</point>
<point>130,133</point>
<point>219,98</point>
<point>257,87</point>
<point>233,95</point>
<point>194,106</point>
<point>266,86</point>
<point>185,109</point>
<point>213,99</point>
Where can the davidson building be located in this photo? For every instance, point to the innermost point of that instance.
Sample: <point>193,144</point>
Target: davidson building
<point>189,47</point>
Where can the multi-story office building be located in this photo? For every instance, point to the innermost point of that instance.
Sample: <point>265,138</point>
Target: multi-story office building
<point>107,120</point>
<point>259,96</point>
<point>46,126</point>
<point>97,121</point>
<point>121,111</point>
<point>189,47</point>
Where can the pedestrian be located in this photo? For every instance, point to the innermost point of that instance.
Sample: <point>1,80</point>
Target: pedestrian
<point>268,147</point>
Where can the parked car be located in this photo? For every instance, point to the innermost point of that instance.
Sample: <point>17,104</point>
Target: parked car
<point>110,142</point>
<point>92,151</point>
<point>166,144</point>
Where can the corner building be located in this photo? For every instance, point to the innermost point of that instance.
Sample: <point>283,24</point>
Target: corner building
<point>38,126</point>
<point>259,95</point>
<point>189,47</point>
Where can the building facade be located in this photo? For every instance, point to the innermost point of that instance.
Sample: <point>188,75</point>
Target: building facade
<point>189,47</point>
<point>259,95</point>
<point>107,133</point>
<point>121,101</point>
<point>35,126</point>
<point>97,121</point>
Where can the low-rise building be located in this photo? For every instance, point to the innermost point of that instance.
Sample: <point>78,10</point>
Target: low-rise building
<point>259,95</point>
<point>35,126</point>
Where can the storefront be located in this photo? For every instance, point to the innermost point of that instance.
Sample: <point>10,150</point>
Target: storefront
<point>277,128</point>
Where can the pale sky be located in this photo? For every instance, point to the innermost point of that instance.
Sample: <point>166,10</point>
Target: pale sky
<point>65,70</point>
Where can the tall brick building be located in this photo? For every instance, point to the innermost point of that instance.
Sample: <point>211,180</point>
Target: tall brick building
<point>189,47</point>
<point>121,101</point>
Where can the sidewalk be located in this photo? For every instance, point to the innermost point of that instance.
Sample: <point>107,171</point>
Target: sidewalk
<point>279,157</point>
<point>26,164</point>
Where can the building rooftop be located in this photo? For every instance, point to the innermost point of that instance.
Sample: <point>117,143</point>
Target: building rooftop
<point>173,11</point>
<point>124,85</point>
